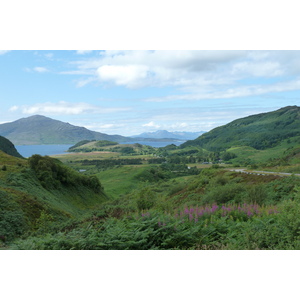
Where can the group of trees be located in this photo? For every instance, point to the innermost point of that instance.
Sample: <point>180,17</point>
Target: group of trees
<point>53,174</point>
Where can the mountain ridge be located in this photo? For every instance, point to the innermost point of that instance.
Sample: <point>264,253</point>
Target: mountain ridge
<point>38,129</point>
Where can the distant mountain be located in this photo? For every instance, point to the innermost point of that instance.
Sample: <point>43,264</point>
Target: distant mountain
<point>261,131</point>
<point>163,134</point>
<point>8,147</point>
<point>38,129</point>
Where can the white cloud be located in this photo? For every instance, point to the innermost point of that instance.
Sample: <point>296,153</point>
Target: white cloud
<point>40,69</point>
<point>82,52</point>
<point>105,127</point>
<point>128,75</point>
<point>49,55</point>
<point>4,51</point>
<point>228,92</point>
<point>151,125</point>
<point>136,69</point>
<point>67,108</point>
<point>14,108</point>
<point>258,69</point>
<point>196,74</point>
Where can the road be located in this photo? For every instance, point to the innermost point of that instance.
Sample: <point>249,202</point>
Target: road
<point>255,172</point>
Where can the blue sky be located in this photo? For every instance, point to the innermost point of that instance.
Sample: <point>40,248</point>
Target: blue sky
<point>130,92</point>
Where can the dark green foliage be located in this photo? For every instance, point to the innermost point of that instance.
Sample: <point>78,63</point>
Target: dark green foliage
<point>7,147</point>
<point>226,156</point>
<point>52,174</point>
<point>153,175</point>
<point>145,199</point>
<point>12,224</point>
<point>104,164</point>
<point>105,143</point>
<point>166,171</point>
<point>224,193</point>
<point>12,219</point>
<point>127,150</point>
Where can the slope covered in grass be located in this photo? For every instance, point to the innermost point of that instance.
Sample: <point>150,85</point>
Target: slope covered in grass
<point>42,190</point>
<point>262,131</point>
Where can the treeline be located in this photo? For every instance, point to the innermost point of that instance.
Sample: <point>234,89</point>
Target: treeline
<point>110,163</point>
<point>166,171</point>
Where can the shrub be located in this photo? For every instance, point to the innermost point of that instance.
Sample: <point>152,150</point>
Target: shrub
<point>146,199</point>
<point>224,193</point>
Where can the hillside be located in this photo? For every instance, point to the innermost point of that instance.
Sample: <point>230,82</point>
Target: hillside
<point>40,191</point>
<point>37,130</point>
<point>112,147</point>
<point>161,134</point>
<point>262,131</point>
<point>7,147</point>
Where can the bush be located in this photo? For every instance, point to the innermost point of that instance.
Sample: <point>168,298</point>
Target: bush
<point>224,193</point>
<point>146,199</point>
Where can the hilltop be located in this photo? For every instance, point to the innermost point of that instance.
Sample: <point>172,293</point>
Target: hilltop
<point>261,131</point>
<point>36,130</point>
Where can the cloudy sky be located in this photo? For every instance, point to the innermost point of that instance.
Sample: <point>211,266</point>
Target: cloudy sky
<point>130,92</point>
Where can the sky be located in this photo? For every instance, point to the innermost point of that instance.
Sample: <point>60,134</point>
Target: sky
<point>130,92</point>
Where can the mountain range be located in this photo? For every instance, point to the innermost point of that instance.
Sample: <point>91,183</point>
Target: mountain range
<point>41,130</point>
<point>261,131</point>
<point>162,134</point>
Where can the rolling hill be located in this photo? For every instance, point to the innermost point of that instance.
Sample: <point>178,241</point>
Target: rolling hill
<point>37,130</point>
<point>261,131</point>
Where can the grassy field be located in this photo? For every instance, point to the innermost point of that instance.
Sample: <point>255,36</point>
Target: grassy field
<point>122,180</point>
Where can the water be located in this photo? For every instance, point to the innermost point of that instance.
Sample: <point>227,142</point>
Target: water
<point>29,150</point>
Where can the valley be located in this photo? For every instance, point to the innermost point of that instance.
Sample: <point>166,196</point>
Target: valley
<point>217,192</point>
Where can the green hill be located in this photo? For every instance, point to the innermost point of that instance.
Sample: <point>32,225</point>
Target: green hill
<point>7,147</point>
<point>37,130</point>
<point>41,191</point>
<point>262,131</point>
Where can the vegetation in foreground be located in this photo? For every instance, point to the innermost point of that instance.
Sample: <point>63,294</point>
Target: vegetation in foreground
<point>216,209</point>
